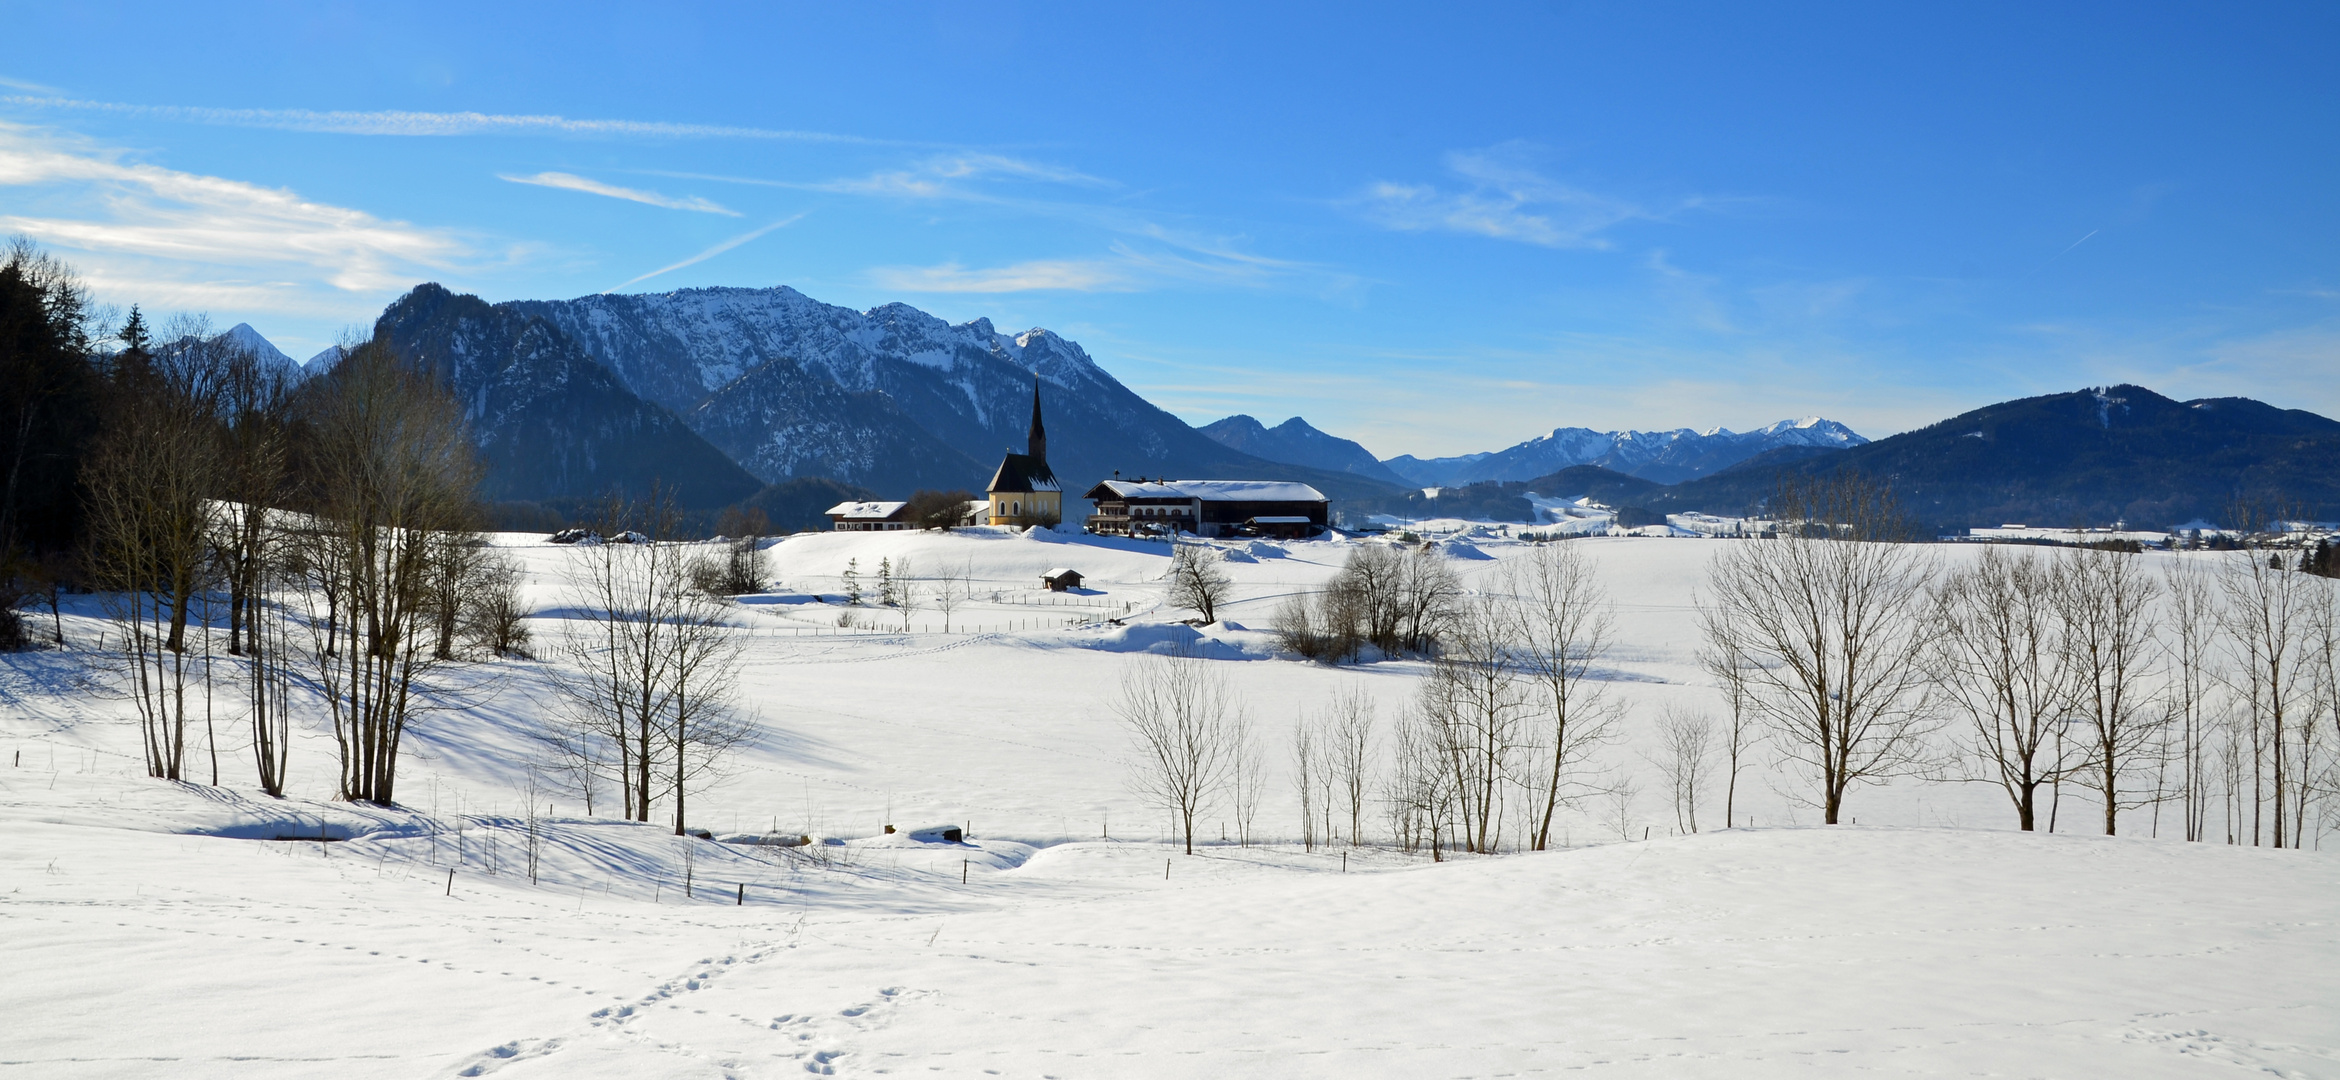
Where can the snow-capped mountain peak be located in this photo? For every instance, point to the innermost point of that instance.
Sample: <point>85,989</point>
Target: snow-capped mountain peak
<point>1664,456</point>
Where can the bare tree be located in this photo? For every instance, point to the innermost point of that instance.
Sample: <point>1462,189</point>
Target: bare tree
<point>1562,621</point>
<point>149,482</point>
<point>952,591</point>
<point>630,601</point>
<point>2106,602</point>
<point>1246,776</point>
<point>1348,759</point>
<point>1431,597</point>
<point>2189,647</point>
<point>1182,718</point>
<point>391,471</point>
<point>1686,747</point>
<point>1474,704</point>
<point>496,610</point>
<point>1308,767</point>
<point>1620,793</point>
<point>905,592</point>
<point>1422,792</point>
<point>2265,618</point>
<point>1829,625</point>
<point>1738,734</point>
<point>2001,660</point>
<point>701,725</point>
<point>1197,579</point>
<point>254,460</point>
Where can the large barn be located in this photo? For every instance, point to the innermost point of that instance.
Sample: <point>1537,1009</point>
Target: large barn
<point>1208,508</point>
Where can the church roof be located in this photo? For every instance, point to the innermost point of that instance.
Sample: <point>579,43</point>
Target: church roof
<point>1023,472</point>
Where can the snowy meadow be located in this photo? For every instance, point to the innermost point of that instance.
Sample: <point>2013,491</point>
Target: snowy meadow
<point>1681,918</point>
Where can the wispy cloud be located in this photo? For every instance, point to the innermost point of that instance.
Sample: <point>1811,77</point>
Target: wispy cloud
<point>1128,267</point>
<point>710,253</point>
<point>944,176</point>
<point>573,182</point>
<point>29,87</point>
<point>401,122</point>
<point>1039,275</point>
<point>1499,194</point>
<point>161,235</point>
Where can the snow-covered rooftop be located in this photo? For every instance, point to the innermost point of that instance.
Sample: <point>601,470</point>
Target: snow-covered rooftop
<point>866,511</point>
<point>1216,490</point>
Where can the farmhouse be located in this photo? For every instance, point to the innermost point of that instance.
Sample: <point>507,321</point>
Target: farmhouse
<point>1024,491</point>
<point>870,516</point>
<point>1207,508</point>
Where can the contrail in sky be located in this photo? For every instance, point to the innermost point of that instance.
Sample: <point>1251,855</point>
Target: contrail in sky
<point>710,253</point>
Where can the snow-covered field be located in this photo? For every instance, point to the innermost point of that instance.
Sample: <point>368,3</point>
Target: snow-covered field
<point>161,930</point>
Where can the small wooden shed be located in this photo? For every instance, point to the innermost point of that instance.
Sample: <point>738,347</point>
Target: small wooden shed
<point>1061,579</point>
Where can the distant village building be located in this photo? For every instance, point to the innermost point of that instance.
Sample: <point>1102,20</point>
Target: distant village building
<point>1208,508</point>
<point>1061,579</point>
<point>1024,491</point>
<point>870,517</point>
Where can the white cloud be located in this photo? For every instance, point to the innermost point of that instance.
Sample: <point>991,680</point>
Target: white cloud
<point>152,233</point>
<point>573,182</point>
<point>404,123</point>
<point>1502,197</point>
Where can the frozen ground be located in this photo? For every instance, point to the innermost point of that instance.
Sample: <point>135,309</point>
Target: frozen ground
<point>156,930</point>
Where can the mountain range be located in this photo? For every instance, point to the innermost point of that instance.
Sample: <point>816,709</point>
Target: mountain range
<point>729,396</point>
<point>788,387</point>
<point>2088,457</point>
<point>1296,442</point>
<point>1665,457</point>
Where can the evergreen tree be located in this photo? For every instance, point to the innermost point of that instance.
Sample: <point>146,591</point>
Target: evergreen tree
<point>48,404</point>
<point>886,582</point>
<point>853,582</point>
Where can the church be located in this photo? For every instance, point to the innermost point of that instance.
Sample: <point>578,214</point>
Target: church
<point>1024,491</point>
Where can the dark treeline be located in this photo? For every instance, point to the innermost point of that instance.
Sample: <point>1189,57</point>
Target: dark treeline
<point>251,530</point>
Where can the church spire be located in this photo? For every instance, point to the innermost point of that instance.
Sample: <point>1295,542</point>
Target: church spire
<point>1036,444</point>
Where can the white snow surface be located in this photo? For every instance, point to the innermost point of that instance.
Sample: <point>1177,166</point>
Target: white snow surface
<point>162,930</point>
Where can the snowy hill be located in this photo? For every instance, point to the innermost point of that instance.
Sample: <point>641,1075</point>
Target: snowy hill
<point>1298,443</point>
<point>217,936</point>
<point>1664,457</point>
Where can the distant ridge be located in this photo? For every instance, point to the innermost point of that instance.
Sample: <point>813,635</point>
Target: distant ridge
<point>1297,443</point>
<point>1665,457</point>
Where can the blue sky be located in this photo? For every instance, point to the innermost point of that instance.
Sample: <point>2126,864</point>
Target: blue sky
<point>1435,229</point>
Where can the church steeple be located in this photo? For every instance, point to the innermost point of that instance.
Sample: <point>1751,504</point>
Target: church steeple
<point>1036,444</point>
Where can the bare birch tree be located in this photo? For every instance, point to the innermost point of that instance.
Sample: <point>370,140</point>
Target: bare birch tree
<point>1181,717</point>
<point>2189,644</point>
<point>1686,748</point>
<point>1348,760</point>
<point>2000,661</point>
<point>1562,622</point>
<point>1738,731</point>
<point>1474,703</point>
<point>2265,616</point>
<point>2106,602</point>
<point>1308,767</point>
<point>1828,618</point>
